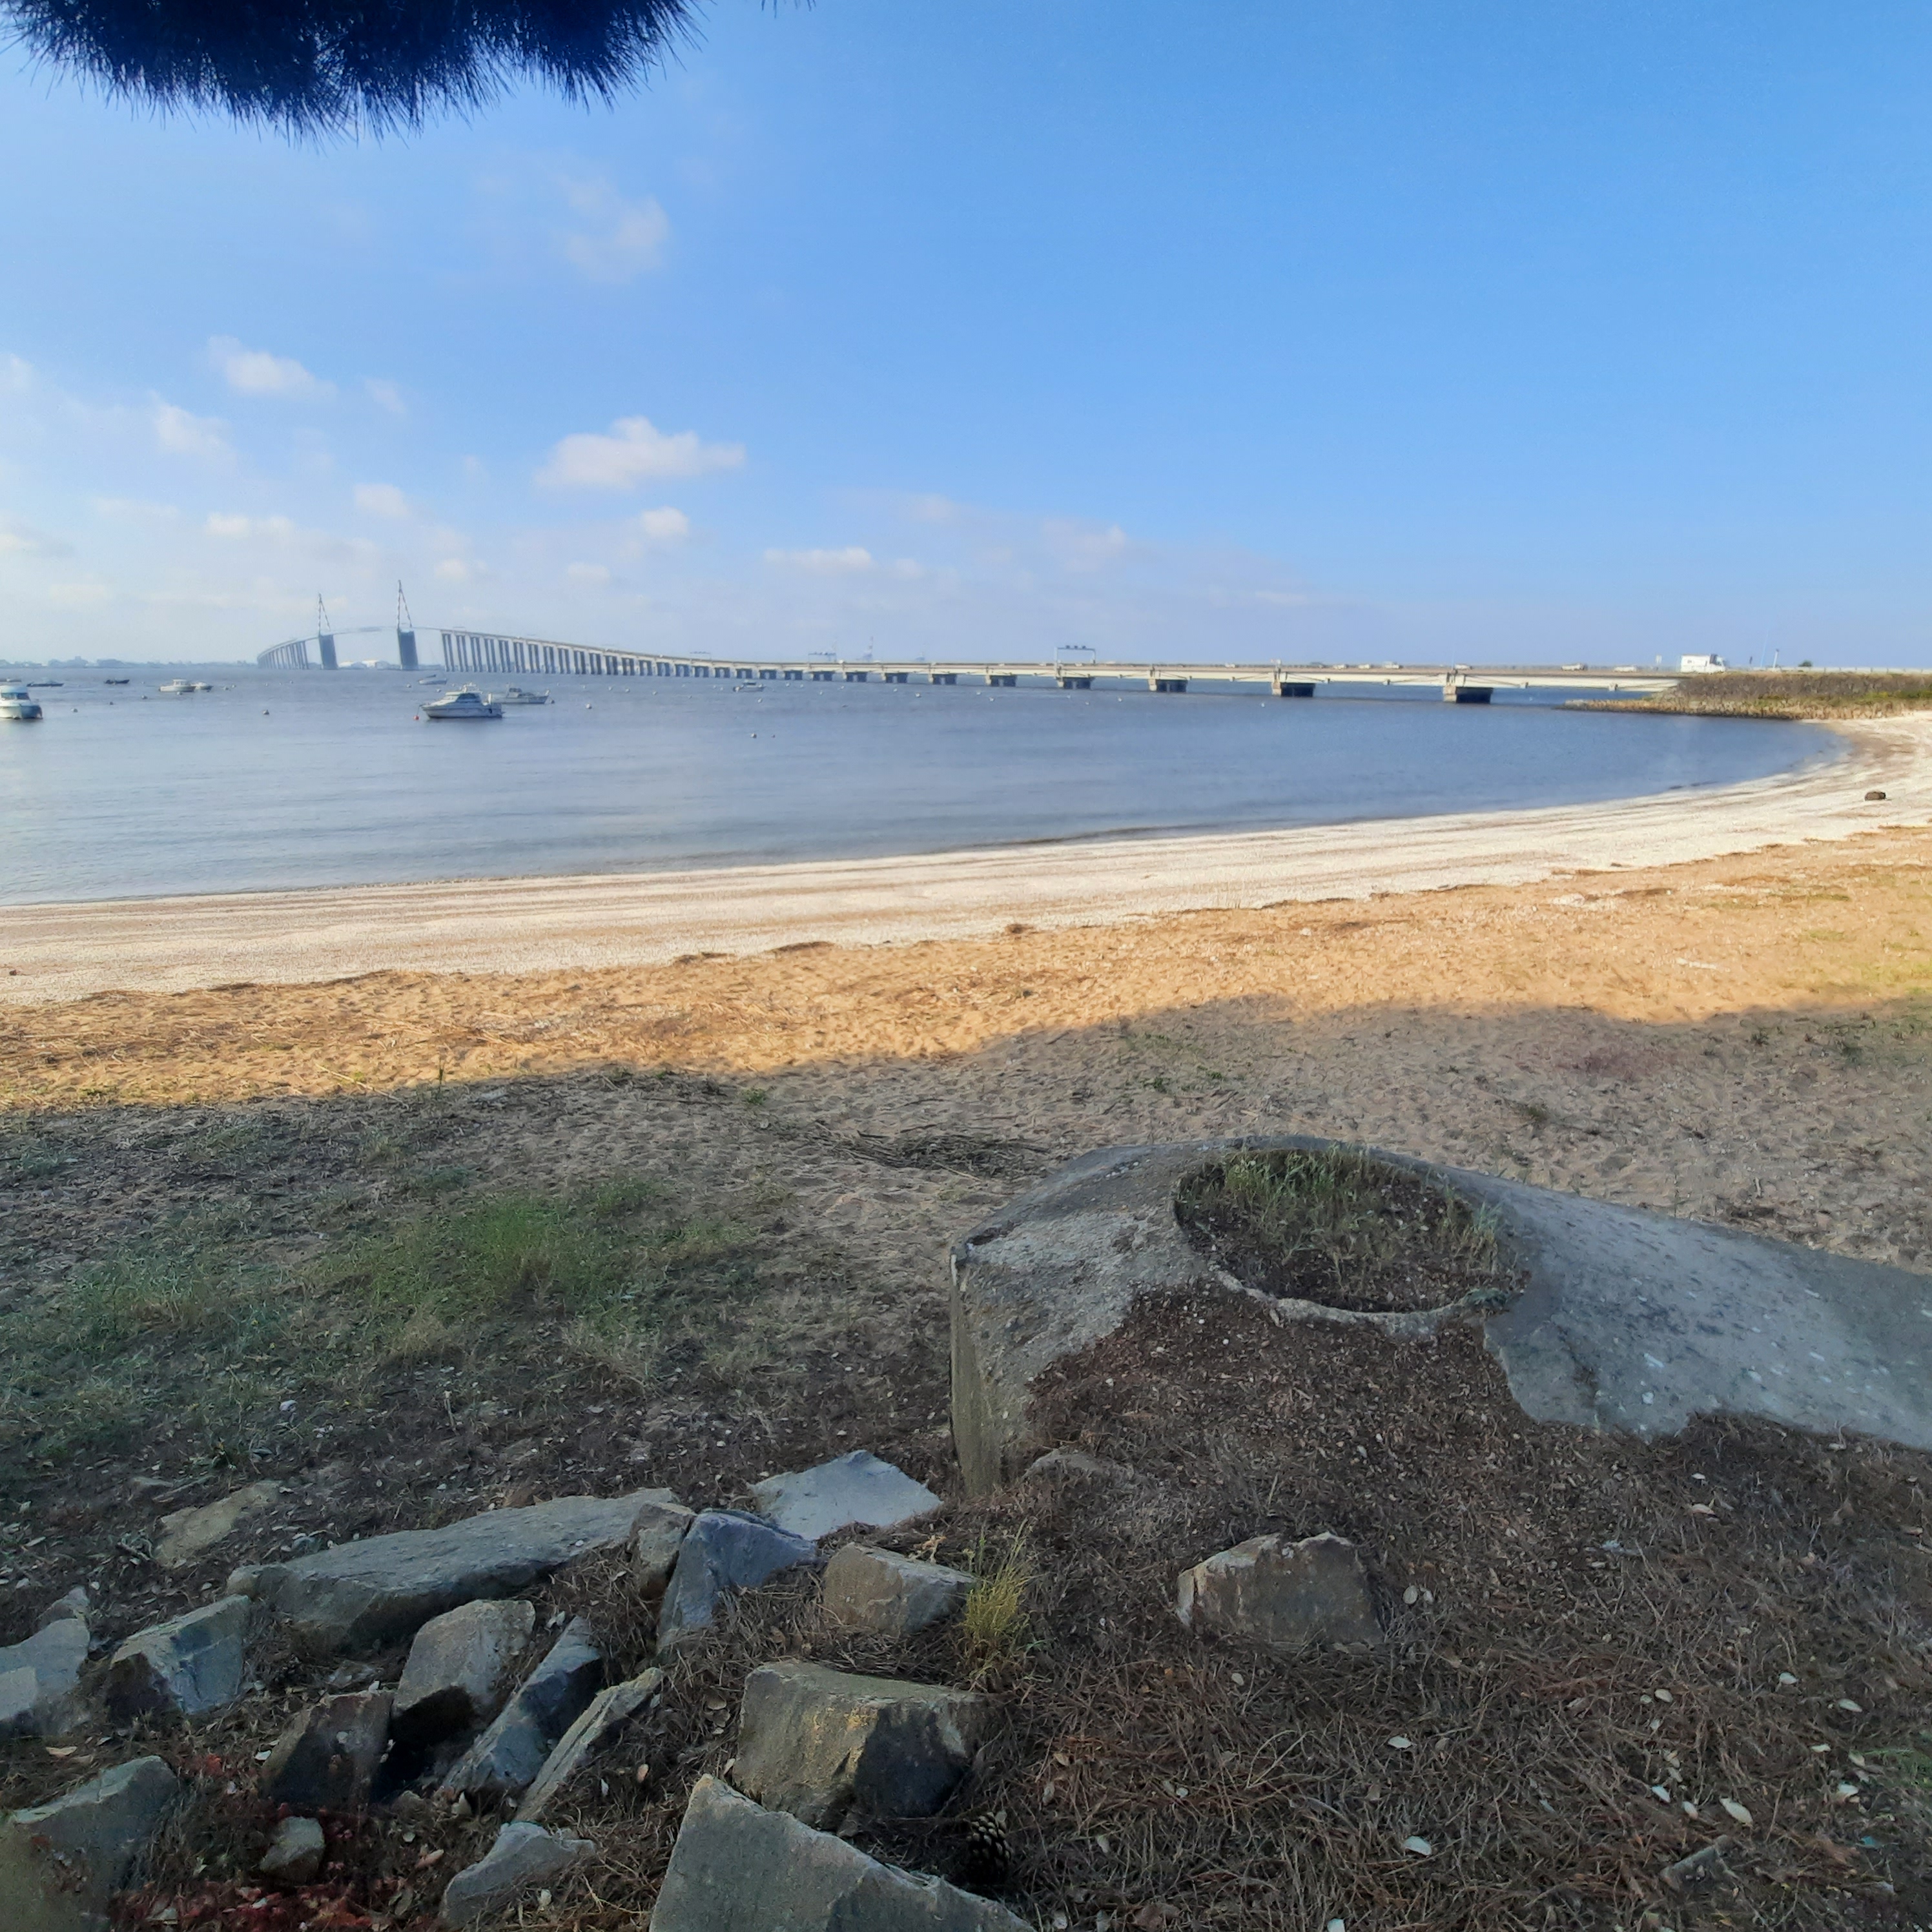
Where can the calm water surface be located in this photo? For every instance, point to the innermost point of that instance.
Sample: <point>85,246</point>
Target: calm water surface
<point>294,779</point>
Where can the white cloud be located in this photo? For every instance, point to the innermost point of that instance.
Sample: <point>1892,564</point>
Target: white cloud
<point>664,525</point>
<point>255,372</point>
<point>635,449</point>
<point>1083,546</point>
<point>234,526</point>
<point>625,238</point>
<point>386,396</point>
<point>850,561</point>
<point>453,570</point>
<point>933,509</point>
<point>595,574</point>
<point>15,375</point>
<point>79,596</point>
<point>18,539</point>
<point>181,433</point>
<point>381,500</point>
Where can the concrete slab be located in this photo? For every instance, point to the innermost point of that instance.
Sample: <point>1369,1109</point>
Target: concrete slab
<point>1627,1320</point>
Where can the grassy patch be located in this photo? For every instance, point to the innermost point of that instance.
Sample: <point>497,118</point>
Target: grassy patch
<point>1788,694</point>
<point>1335,1226</point>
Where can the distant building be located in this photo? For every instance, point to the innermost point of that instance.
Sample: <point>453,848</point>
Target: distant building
<point>1693,660</point>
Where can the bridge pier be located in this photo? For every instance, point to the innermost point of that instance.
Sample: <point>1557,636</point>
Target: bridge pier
<point>1006,679</point>
<point>1293,687</point>
<point>1174,684</point>
<point>1467,694</point>
<point>945,677</point>
<point>326,645</point>
<point>1076,683</point>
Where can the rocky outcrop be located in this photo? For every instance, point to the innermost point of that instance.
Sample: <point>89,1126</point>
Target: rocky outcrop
<point>39,1680</point>
<point>724,1549</point>
<point>504,1759</point>
<point>522,1857</point>
<point>1287,1595</point>
<point>814,1742</point>
<point>326,1760</point>
<point>294,1853</point>
<point>460,1671</point>
<point>60,1862</point>
<point>598,1727</point>
<point>855,1491</point>
<point>1625,1319</point>
<point>361,1594</point>
<point>890,1595</point>
<point>736,1866</point>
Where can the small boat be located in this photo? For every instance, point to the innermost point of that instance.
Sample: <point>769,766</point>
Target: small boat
<point>16,705</point>
<point>116,680</point>
<point>177,687</point>
<point>458,705</point>
<point>513,694</point>
<point>201,687</point>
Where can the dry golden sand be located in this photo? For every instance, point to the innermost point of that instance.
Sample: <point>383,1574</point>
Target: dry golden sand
<point>1747,1039</point>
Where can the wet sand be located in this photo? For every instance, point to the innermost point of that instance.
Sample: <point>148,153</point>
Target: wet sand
<point>55,953</point>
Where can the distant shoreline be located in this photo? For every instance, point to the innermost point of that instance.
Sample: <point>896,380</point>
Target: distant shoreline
<point>57,952</point>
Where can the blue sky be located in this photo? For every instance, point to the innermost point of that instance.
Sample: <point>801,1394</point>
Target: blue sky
<point>1477,330</point>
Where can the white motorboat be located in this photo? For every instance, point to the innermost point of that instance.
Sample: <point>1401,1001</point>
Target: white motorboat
<point>17,705</point>
<point>178,687</point>
<point>513,693</point>
<point>457,706</point>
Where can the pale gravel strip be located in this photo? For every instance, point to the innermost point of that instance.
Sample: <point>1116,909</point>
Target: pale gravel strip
<point>516,925</point>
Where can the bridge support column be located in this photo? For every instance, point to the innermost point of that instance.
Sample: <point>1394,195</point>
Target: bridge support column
<point>1293,687</point>
<point>1006,680</point>
<point>326,644</point>
<point>1076,683</point>
<point>1174,684</point>
<point>1466,694</point>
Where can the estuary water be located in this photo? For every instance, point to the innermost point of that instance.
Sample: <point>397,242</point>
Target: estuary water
<point>291,778</point>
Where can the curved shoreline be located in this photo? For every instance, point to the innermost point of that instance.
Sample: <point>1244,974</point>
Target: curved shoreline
<point>60,951</point>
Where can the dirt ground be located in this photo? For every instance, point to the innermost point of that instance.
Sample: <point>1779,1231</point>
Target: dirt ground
<point>202,1194</point>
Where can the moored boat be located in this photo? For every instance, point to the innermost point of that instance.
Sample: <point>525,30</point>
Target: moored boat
<point>16,705</point>
<point>456,706</point>
<point>513,693</point>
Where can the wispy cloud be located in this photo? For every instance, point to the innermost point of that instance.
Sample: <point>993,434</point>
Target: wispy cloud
<point>18,539</point>
<point>255,372</point>
<point>635,449</point>
<point>1078,546</point>
<point>663,526</point>
<point>852,560</point>
<point>385,395</point>
<point>381,499</point>
<point>620,240</point>
<point>182,433</point>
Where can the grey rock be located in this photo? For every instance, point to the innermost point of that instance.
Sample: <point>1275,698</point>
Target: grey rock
<point>358,1595</point>
<point>1287,1594</point>
<point>815,1741</point>
<point>39,1680</point>
<point>295,1854</point>
<point>59,1862</point>
<point>655,1543</point>
<point>891,1595</point>
<point>190,1664</point>
<point>326,1759</point>
<point>736,1867</point>
<point>460,1670</point>
<point>523,1856</point>
<point>1626,1320</point>
<point>724,1549</point>
<point>189,1533</point>
<point>504,1759</point>
<point>1076,1466</point>
<point>857,1490</point>
<point>74,1604</point>
<point>606,1714</point>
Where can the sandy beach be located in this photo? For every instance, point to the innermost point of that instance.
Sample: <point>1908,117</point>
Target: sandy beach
<point>533,925</point>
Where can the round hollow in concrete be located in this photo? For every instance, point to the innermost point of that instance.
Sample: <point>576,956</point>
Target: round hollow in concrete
<point>1336,1227</point>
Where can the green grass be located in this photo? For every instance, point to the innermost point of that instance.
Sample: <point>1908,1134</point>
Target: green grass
<point>206,1323</point>
<point>993,1620</point>
<point>1332,1204</point>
